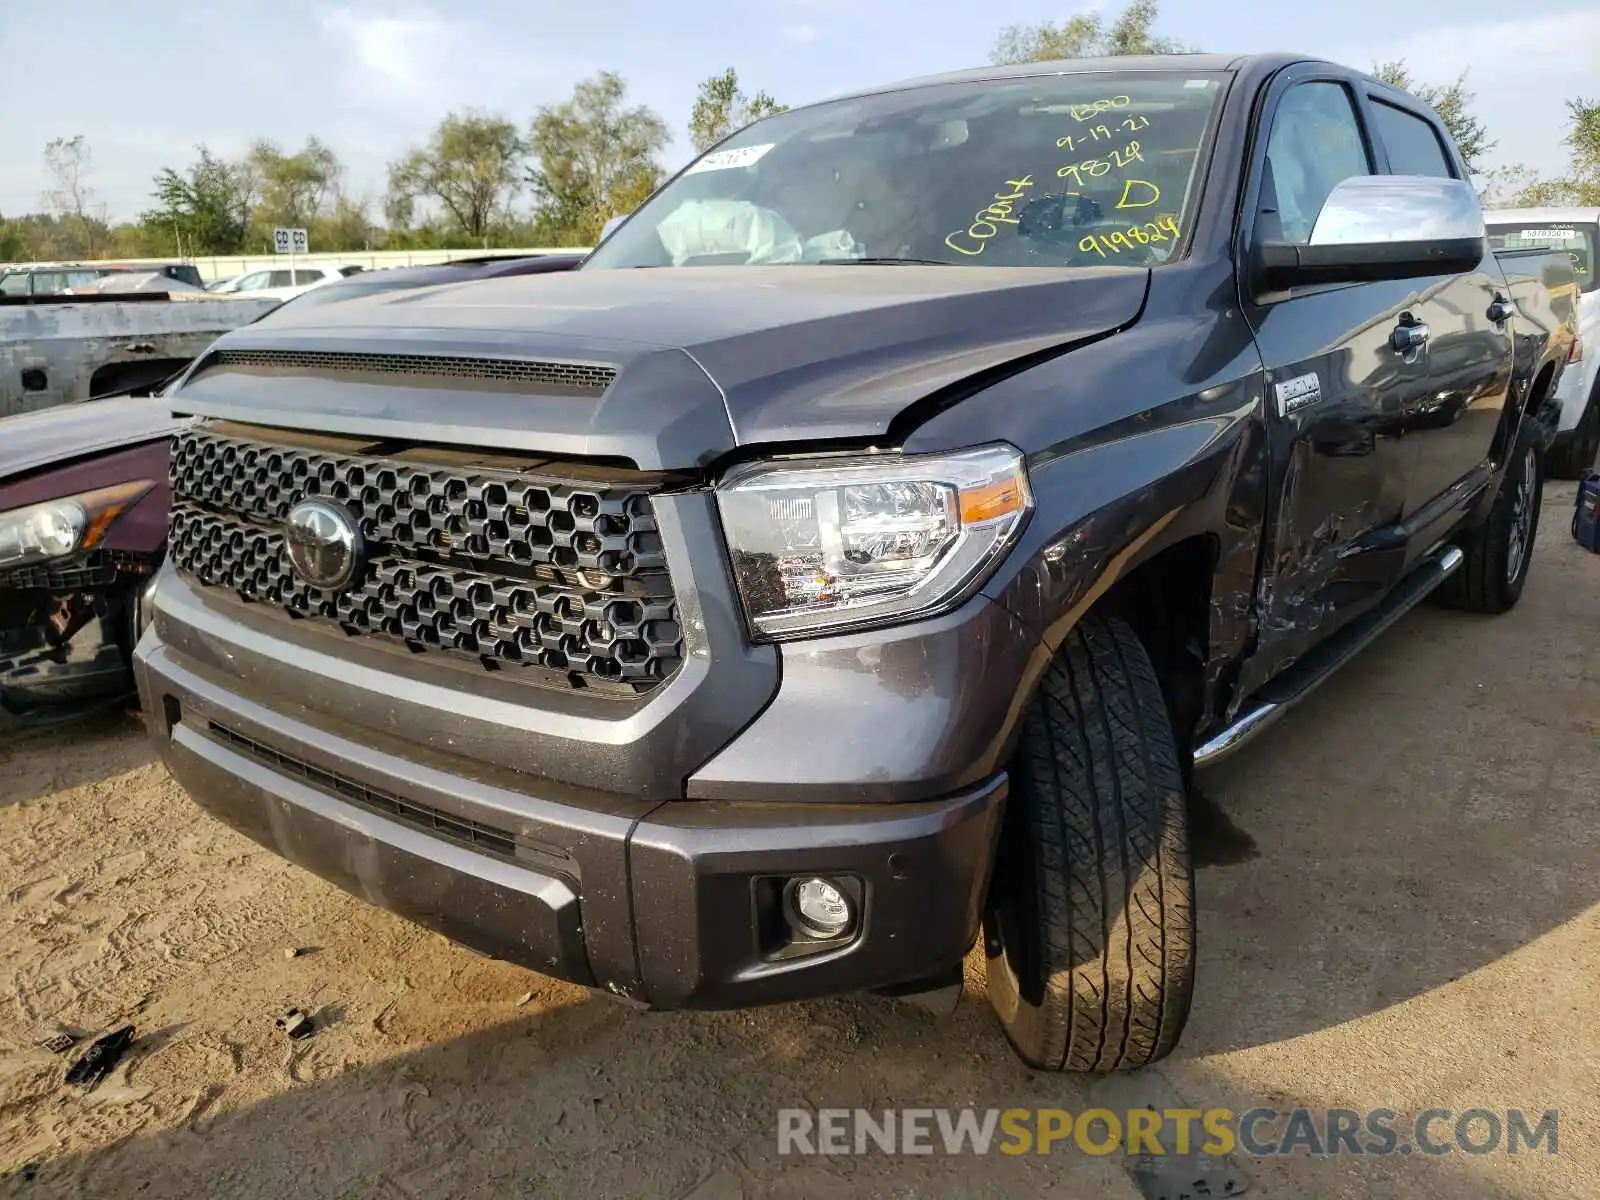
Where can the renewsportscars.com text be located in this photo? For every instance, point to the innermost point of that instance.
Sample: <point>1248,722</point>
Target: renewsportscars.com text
<point>1260,1132</point>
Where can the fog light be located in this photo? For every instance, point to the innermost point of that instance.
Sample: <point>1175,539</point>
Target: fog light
<point>820,909</point>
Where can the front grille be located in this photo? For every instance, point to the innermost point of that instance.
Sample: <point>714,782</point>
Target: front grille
<point>440,824</point>
<point>560,571</point>
<point>588,379</point>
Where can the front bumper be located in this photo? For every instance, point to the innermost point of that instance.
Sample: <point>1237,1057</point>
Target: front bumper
<point>666,903</point>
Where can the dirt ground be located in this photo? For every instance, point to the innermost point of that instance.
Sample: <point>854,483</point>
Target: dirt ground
<point>1401,909</point>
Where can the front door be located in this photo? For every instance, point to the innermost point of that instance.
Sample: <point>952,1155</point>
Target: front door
<point>1333,405</point>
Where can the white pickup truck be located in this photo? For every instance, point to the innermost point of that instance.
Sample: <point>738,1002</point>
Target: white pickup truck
<point>58,349</point>
<point>1577,231</point>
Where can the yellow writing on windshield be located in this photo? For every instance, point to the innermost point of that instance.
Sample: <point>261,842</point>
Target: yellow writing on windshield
<point>1120,241</point>
<point>1087,112</point>
<point>1139,193</point>
<point>1093,168</point>
<point>986,221</point>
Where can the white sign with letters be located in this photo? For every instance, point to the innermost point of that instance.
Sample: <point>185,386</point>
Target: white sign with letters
<point>290,241</point>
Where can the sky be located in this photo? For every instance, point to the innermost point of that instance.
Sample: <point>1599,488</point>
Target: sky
<point>146,82</point>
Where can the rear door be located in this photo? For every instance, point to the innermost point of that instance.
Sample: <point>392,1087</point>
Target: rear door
<point>1456,374</point>
<point>1338,470</point>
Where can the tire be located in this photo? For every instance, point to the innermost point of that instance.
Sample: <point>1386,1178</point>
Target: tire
<point>1575,457</point>
<point>1090,924</point>
<point>1500,551</point>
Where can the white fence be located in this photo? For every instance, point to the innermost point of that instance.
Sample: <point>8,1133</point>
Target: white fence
<point>222,266</point>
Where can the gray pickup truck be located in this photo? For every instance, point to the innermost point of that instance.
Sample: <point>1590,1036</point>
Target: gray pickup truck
<point>856,554</point>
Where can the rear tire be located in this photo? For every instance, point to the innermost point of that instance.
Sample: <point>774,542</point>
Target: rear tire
<point>1090,928</point>
<point>1500,551</point>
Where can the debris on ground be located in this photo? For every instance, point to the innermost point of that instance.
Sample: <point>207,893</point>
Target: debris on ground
<point>95,1063</point>
<point>296,1024</point>
<point>292,952</point>
<point>59,1042</point>
<point>524,999</point>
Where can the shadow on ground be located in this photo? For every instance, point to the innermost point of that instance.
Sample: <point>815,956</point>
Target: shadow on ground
<point>592,1101</point>
<point>41,762</point>
<point>1428,813</point>
<point>1429,810</point>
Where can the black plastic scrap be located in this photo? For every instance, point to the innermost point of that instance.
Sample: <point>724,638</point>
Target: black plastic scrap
<point>58,1042</point>
<point>95,1063</point>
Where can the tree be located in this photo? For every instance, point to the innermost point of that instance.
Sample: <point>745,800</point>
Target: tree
<point>13,244</point>
<point>471,166</point>
<point>199,209</point>
<point>70,162</point>
<point>286,189</point>
<point>596,159</point>
<point>1452,102</point>
<point>1581,184</point>
<point>722,108</point>
<point>1086,36</point>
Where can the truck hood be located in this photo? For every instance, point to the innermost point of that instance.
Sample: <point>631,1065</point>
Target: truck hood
<point>704,359</point>
<point>67,432</point>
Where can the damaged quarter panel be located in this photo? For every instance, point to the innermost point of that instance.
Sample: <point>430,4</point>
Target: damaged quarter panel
<point>1147,439</point>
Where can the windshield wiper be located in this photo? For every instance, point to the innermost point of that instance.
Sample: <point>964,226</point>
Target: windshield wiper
<point>918,262</point>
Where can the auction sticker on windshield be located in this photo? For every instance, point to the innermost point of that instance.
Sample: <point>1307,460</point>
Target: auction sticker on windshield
<point>726,160</point>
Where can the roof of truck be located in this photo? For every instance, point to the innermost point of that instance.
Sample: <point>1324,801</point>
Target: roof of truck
<point>1076,66</point>
<point>1535,216</point>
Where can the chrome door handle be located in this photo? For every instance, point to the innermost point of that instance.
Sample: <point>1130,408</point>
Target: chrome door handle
<point>1410,335</point>
<point>1501,310</point>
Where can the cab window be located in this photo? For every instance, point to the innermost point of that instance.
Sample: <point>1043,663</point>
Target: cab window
<point>1315,145</point>
<point>1412,142</point>
<point>1576,240</point>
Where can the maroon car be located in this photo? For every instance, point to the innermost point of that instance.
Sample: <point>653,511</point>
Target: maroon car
<point>83,526</point>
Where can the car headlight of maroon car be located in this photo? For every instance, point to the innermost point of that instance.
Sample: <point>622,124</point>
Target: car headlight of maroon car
<point>64,527</point>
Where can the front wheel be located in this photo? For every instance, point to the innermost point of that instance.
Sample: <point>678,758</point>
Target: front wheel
<point>1500,551</point>
<point>1090,925</point>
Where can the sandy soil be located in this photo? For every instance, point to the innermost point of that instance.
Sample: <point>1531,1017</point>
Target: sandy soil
<point>1403,910</point>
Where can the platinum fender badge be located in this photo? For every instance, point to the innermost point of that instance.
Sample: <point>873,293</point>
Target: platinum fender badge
<point>1296,393</point>
<point>324,544</point>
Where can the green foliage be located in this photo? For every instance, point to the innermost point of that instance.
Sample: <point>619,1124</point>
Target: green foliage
<point>1452,102</point>
<point>1580,186</point>
<point>721,108</point>
<point>201,208</point>
<point>277,189</point>
<point>596,158</point>
<point>471,167</point>
<point>1087,36</point>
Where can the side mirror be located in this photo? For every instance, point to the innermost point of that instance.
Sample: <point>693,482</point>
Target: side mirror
<point>1375,227</point>
<point>605,230</point>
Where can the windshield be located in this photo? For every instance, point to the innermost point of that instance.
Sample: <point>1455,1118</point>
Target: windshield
<point>1577,240</point>
<point>1049,171</point>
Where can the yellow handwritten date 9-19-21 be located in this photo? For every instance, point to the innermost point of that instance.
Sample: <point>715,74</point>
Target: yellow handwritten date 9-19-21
<point>1119,241</point>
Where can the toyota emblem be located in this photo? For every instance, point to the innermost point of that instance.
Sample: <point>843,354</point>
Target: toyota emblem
<point>324,544</point>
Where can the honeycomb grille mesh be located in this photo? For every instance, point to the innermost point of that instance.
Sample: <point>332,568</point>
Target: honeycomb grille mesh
<point>499,567</point>
<point>588,379</point>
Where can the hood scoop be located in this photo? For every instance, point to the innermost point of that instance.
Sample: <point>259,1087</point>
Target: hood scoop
<point>550,377</point>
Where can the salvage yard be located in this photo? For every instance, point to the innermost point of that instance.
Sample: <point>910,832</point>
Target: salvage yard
<point>1399,907</point>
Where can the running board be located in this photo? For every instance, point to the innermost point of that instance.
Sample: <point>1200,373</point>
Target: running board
<point>1284,691</point>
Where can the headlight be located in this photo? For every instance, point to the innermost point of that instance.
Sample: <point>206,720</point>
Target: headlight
<point>58,528</point>
<point>829,544</point>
